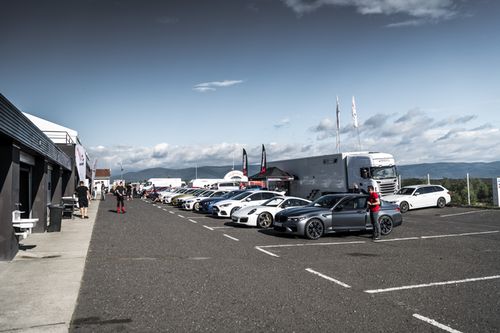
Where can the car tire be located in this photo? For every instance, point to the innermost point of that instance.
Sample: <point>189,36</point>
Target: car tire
<point>441,202</point>
<point>264,220</point>
<point>386,224</point>
<point>404,207</point>
<point>196,206</point>
<point>233,210</point>
<point>314,229</point>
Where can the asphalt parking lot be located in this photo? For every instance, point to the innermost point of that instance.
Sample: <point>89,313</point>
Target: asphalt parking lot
<point>438,271</point>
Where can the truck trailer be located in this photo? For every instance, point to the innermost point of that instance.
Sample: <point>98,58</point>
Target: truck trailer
<point>340,173</point>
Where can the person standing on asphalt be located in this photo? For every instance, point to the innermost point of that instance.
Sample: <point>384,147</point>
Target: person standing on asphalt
<point>120,193</point>
<point>103,192</point>
<point>374,206</point>
<point>83,195</point>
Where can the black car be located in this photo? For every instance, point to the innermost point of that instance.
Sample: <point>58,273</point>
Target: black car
<point>335,213</point>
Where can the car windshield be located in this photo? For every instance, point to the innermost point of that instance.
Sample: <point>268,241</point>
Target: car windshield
<point>274,202</point>
<point>241,196</point>
<point>406,191</point>
<point>383,172</point>
<point>327,201</point>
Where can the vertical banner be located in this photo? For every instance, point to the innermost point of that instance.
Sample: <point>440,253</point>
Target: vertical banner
<point>496,192</point>
<point>80,161</point>
<point>263,161</point>
<point>245,163</point>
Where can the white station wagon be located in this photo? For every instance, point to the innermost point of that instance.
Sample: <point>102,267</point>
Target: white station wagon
<point>419,196</point>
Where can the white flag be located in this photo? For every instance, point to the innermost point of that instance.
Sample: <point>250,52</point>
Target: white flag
<point>354,114</point>
<point>338,125</point>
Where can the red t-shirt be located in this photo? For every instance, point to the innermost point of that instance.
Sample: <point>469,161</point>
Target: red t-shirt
<point>373,198</point>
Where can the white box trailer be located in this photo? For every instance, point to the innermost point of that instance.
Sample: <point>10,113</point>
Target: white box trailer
<point>340,173</point>
<point>163,182</point>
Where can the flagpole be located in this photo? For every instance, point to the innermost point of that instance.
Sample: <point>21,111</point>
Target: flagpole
<point>338,125</point>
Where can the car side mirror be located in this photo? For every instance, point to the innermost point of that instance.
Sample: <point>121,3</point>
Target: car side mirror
<point>417,194</point>
<point>248,199</point>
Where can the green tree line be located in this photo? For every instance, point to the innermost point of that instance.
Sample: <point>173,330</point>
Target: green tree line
<point>481,189</point>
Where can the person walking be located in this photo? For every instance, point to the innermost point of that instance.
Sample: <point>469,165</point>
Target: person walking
<point>83,195</point>
<point>121,194</point>
<point>374,206</point>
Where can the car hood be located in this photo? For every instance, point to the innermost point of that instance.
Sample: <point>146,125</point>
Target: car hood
<point>298,211</point>
<point>396,197</point>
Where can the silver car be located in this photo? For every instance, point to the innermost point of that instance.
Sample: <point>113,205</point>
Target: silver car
<point>335,213</point>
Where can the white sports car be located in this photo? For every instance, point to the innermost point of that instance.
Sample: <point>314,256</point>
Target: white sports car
<point>263,216</point>
<point>226,208</point>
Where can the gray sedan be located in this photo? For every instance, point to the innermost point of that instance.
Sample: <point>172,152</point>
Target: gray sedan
<point>335,213</point>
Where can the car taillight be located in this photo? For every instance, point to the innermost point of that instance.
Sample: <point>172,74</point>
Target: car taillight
<point>397,209</point>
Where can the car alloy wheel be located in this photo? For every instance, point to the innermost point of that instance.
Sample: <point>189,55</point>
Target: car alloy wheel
<point>441,202</point>
<point>264,220</point>
<point>404,207</point>
<point>314,229</point>
<point>385,225</point>
<point>196,206</point>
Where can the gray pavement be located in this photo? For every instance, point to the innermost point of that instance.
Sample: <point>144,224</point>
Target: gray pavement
<point>39,287</point>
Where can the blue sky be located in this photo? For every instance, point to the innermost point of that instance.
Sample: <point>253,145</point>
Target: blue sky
<point>192,82</point>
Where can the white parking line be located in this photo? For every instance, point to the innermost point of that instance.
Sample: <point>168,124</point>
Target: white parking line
<point>180,216</point>
<point>397,239</point>
<point>171,212</point>
<point>192,221</point>
<point>465,213</point>
<point>435,323</point>
<point>376,291</point>
<point>235,239</point>
<point>463,234</point>
<point>208,228</point>
<point>267,252</point>
<point>313,244</point>
<point>222,227</point>
<point>328,278</point>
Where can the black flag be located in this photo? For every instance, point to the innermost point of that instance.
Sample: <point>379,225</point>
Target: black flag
<point>245,163</point>
<point>263,161</point>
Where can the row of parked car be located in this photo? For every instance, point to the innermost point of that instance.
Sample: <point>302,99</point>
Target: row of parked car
<point>330,213</point>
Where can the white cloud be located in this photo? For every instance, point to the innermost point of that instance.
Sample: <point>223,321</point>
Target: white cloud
<point>285,122</point>
<point>422,10</point>
<point>213,85</point>
<point>412,137</point>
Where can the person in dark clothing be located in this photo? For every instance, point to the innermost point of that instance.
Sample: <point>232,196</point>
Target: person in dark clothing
<point>121,194</point>
<point>374,206</point>
<point>83,195</point>
<point>103,192</point>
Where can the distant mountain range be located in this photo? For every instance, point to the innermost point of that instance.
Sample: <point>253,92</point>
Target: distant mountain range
<point>435,170</point>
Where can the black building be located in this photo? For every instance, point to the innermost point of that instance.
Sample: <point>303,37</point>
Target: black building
<point>34,173</point>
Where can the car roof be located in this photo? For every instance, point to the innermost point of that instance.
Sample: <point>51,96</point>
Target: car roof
<point>419,186</point>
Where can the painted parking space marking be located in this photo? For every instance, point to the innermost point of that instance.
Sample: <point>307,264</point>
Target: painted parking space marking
<point>435,323</point>
<point>260,247</point>
<point>425,285</point>
<point>462,234</point>
<point>208,227</point>
<point>267,252</point>
<point>171,212</point>
<point>466,213</point>
<point>192,221</point>
<point>222,227</point>
<point>235,239</point>
<point>180,216</point>
<point>340,283</point>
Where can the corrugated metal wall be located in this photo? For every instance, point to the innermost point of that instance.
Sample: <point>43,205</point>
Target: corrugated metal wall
<point>16,125</point>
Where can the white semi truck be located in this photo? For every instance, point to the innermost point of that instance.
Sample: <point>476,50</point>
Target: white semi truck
<point>340,173</point>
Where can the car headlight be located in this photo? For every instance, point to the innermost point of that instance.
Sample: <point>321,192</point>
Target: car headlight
<point>296,219</point>
<point>225,205</point>
<point>252,211</point>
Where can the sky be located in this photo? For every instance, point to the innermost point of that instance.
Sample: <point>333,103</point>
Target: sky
<point>192,82</point>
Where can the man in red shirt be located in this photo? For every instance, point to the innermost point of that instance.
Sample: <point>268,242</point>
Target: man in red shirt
<point>374,206</point>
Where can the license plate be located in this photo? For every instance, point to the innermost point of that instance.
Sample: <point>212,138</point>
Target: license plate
<point>278,224</point>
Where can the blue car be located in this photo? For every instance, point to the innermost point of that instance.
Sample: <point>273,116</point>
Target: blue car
<point>205,206</point>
